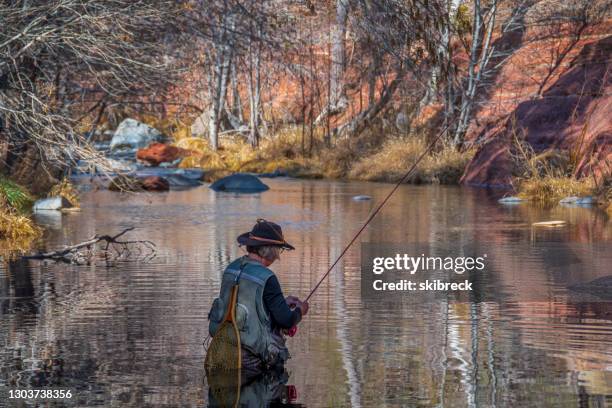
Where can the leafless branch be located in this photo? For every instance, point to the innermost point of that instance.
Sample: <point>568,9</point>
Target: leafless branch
<point>102,248</point>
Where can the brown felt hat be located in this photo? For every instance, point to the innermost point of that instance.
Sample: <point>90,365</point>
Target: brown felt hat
<point>264,233</point>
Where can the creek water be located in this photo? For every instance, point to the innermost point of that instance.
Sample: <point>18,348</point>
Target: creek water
<point>131,335</point>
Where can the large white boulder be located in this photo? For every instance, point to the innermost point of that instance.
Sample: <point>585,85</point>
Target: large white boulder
<point>133,134</point>
<point>51,204</point>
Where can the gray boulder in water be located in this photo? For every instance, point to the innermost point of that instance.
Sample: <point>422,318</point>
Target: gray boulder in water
<point>133,134</point>
<point>588,200</point>
<point>194,174</point>
<point>182,181</point>
<point>569,200</point>
<point>584,201</point>
<point>510,200</point>
<point>239,183</point>
<point>51,204</point>
<point>600,287</point>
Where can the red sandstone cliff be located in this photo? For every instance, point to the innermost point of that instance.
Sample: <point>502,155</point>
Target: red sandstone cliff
<point>574,113</point>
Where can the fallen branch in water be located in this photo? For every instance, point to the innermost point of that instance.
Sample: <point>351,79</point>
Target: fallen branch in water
<point>101,247</point>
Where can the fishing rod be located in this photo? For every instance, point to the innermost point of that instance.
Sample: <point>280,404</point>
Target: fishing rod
<point>380,206</point>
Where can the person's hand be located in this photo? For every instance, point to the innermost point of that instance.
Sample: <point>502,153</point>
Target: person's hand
<point>292,301</point>
<point>290,332</point>
<point>303,307</point>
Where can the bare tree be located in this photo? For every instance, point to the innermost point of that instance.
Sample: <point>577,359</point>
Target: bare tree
<point>442,69</point>
<point>484,22</point>
<point>336,99</point>
<point>219,69</point>
<point>485,56</point>
<point>237,35</point>
<point>60,60</point>
<point>397,39</point>
<point>563,26</point>
<point>254,87</point>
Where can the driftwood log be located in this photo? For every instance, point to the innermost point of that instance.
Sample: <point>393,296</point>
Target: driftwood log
<point>105,248</point>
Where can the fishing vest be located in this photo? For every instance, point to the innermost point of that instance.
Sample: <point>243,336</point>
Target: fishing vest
<point>252,318</point>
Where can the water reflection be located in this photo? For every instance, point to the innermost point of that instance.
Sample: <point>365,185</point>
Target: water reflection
<point>133,335</point>
<point>268,390</point>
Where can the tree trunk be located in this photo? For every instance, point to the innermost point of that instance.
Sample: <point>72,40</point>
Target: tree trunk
<point>338,52</point>
<point>372,76</point>
<point>218,80</point>
<point>236,100</point>
<point>254,94</point>
<point>336,100</point>
<point>486,56</point>
<point>363,119</point>
<point>481,46</point>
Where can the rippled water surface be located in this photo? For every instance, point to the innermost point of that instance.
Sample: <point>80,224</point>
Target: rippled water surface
<point>132,335</point>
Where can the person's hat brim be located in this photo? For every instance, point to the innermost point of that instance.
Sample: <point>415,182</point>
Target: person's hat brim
<point>246,239</point>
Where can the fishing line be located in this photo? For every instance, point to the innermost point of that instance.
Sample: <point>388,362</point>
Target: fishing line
<point>380,206</point>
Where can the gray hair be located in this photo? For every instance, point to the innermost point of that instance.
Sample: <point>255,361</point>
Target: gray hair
<point>271,253</point>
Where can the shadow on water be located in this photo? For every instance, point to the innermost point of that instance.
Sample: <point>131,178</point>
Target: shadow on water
<point>17,289</point>
<point>18,299</point>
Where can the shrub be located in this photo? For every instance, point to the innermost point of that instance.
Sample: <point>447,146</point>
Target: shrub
<point>444,166</point>
<point>364,158</point>
<point>283,151</point>
<point>16,230</point>
<point>67,190</point>
<point>447,165</point>
<point>14,196</point>
<point>546,177</point>
<point>551,189</point>
<point>201,156</point>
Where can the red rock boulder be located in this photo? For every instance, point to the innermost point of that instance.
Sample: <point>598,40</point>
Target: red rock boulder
<point>157,153</point>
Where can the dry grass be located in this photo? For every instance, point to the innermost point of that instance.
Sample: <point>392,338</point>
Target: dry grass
<point>17,229</point>
<point>444,166</point>
<point>202,156</point>
<point>551,189</point>
<point>67,190</point>
<point>282,152</point>
<point>391,162</point>
<point>547,177</point>
<point>173,127</point>
<point>605,195</point>
<point>17,233</point>
<point>362,158</point>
